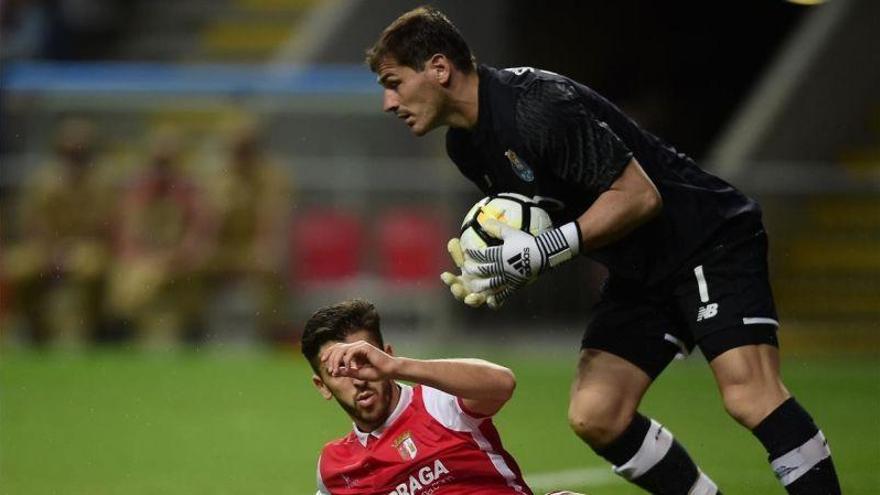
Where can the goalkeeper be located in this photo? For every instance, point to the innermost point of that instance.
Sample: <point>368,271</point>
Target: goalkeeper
<point>686,251</point>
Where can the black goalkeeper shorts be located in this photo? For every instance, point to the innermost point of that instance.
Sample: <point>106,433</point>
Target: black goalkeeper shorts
<point>720,300</point>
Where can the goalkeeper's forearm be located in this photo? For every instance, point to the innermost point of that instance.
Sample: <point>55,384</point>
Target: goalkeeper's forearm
<point>631,201</point>
<point>465,378</point>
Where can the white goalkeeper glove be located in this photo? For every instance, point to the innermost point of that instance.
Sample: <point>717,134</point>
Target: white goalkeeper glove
<point>504,269</point>
<point>459,285</point>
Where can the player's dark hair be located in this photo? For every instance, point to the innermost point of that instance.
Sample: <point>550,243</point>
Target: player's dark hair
<point>416,36</point>
<point>335,322</point>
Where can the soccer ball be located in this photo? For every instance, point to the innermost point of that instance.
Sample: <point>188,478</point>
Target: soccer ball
<point>515,210</point>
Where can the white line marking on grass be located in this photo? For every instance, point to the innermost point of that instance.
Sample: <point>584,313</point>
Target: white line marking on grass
<point>571,478</point>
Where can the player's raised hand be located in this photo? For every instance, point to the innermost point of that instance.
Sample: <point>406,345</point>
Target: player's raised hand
<point>360,360</point>
<point>517,262</point>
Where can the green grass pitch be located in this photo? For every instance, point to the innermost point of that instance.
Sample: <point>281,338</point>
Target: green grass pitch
<point>111,422</point>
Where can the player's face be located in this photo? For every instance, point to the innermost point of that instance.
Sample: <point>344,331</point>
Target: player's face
<point>415,97</point>
<point>368,403</point>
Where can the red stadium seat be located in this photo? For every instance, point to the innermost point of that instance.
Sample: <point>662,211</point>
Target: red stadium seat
<point>411,246</point>
<point>408,248</point>
<point>326,246</point>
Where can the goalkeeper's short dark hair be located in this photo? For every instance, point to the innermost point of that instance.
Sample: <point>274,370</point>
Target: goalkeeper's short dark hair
<point>416,36</point>
<point>335,322</point>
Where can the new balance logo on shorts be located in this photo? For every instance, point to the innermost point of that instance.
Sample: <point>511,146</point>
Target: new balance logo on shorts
<point>707,311</point>
<point>520,263</point>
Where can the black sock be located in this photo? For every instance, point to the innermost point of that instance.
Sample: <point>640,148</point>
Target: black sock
<point>647,455</point>
<point>798,451</point>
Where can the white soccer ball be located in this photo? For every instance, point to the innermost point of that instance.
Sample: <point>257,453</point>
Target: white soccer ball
<point>515,210</point>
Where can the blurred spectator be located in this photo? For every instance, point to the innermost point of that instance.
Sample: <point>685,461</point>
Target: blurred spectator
<point>24,29</point>
<point>57,269</point>
<point>251,199</point>
<point>85,29</point>
<point>61,29</point>
<point>165,235</point>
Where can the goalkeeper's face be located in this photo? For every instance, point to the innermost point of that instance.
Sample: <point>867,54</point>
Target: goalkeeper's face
<point>416,97</point>
<point>368,403</point>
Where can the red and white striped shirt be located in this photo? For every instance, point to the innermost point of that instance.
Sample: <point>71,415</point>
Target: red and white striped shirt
<point>430,445</point>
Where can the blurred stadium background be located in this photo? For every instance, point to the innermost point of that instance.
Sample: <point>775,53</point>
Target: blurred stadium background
<point>184,181</point>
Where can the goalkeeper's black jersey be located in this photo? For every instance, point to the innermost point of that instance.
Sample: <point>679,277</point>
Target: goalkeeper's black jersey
<point>542,134</point>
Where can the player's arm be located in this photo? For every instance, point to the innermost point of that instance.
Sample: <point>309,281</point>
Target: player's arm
<point>483,387</point>
<point>631,200</point>
<point>576,146</point>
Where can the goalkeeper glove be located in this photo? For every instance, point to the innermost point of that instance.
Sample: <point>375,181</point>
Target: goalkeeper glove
<point>459,284</point>
<point>520,259</point>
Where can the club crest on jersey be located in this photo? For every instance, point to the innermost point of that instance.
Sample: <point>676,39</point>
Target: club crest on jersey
<point>520,167</point>
<point>406,447</point>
